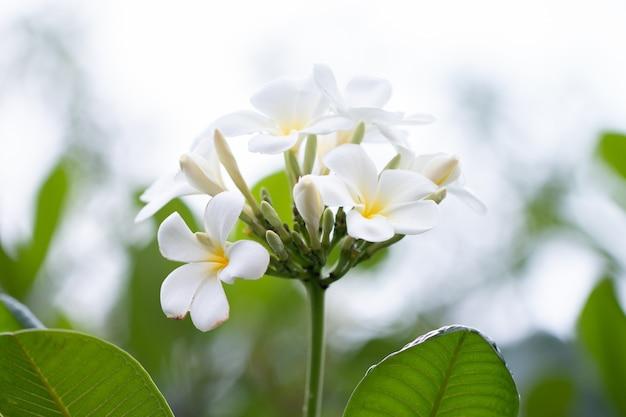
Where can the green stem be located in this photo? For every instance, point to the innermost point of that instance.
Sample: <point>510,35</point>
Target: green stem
<point>315,370</point>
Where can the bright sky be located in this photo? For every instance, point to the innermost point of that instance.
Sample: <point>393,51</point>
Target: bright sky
<point>167,69</point>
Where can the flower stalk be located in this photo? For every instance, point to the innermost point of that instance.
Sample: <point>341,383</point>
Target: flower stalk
<point>315,365</point>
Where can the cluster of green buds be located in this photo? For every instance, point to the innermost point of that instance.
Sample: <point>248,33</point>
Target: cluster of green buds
<point>343,208</point>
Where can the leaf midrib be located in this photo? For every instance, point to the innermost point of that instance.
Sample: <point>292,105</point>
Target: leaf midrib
<point>55,397</point>
<point>447,375</point>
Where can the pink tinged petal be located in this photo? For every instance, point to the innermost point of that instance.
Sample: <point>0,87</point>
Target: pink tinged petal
<point>220,216</point>
<point>177,242</point>
<point>326,82</point>
<point>161,192</point>
<point>242,123</point>
<point>398,186</point>
<point>334,191</point>
<point>352,164</point>
<point>210,307</point>
<point>270,144</point>
<point>246,259</point>
<point>373,229</point>
<point>200,174</point>
<point>414,217</point>
<point>180,287</point>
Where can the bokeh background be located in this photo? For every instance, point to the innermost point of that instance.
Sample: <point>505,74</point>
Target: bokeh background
<point>98,99</point>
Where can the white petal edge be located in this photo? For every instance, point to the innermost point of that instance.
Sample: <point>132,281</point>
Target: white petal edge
<point>352,164</point>
<point>329,124</point>
<point>246,259</point>
<point>367,91</point>
<point>210,307</point>
<point>334,191</point>
<point>242,123</point>
<point>221,214</point>
<point>270,144</point>
<point>180,287</point>
<point>468,197</point>
<point>326,82</point>
<point>374,229</point>
<point>177,242</point>
<point>413,218</point>
<point>161,192</point>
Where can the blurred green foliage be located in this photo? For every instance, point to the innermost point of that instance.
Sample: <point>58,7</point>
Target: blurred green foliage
<point>254,365</point>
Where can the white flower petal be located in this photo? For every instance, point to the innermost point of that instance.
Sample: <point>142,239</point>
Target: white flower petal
<point>329,124</point>
<point>334,191</point>
<point>395,136</point>
<point>246,259</point>
<point>468,197</point>
<point>242,123</point>
<point>220,216</point>
<point>373,229</point>
<point>210,307</point>
<point>270,144</point>
<point>418,119</point>
<point>161,192</point>
<point>352,164</point>
<point>179,289</point>
<point>414,217</point>
<point>368,92</point>
<point>177,242</point>
<point>327,84</point>
<point>276,99</point>
<point>398,186</point>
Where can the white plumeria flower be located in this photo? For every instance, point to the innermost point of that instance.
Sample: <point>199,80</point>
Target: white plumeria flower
<point>363,101</point>
<point>199,173</point>
<point>445,171</point>
<point>382,206</point>
<point>290,110</point>
<point>196,287</point>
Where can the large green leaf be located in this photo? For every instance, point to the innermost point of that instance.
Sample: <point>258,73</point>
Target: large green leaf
<point>612,148</point>
<point>64,373</point>
<point>453,371</point>
<point>602,328</point>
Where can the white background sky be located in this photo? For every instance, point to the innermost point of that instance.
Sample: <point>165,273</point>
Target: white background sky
<point>167,69</point>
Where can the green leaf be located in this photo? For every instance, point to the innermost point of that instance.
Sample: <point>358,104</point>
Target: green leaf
<point>602,328</point>
<point>64,373</point>
<point>453,371</point>
<point>551,397</point>
<point>612,149</point>
<point>49,207</point>
<point>276,184</point>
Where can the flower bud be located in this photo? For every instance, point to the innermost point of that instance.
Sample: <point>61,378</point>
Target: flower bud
<point>276,244</point>
<point>198,173</point>
<point>442,169</point>
<point>309,204</point>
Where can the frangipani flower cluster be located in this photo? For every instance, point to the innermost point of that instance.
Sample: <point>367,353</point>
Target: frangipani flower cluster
<point>344,207</point>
